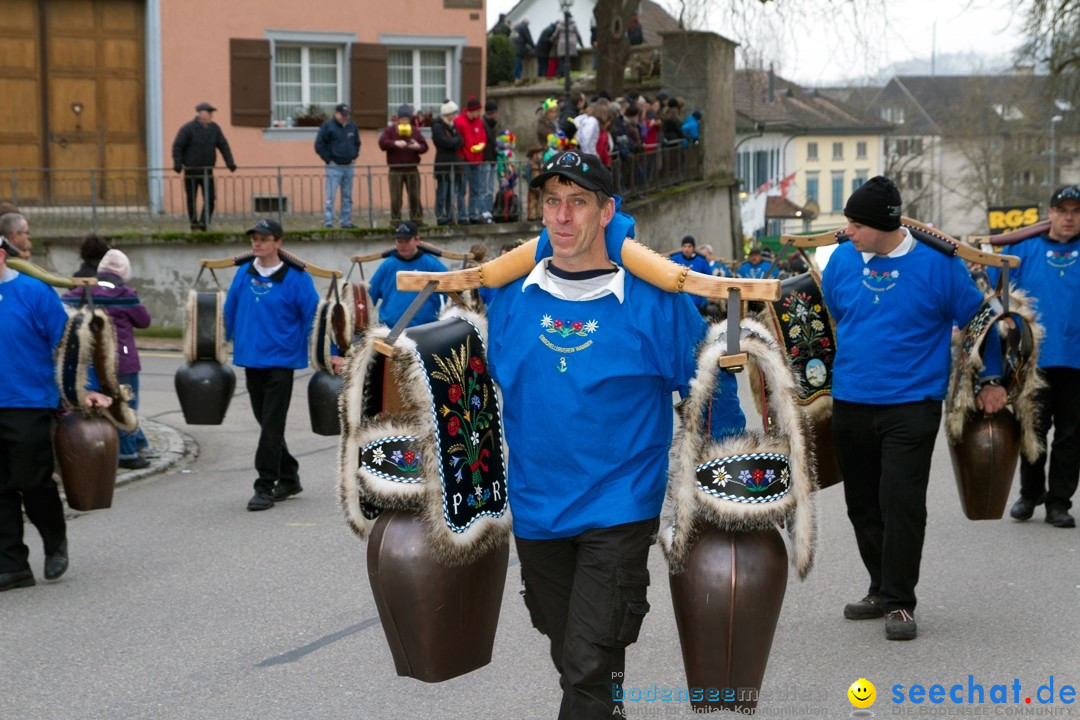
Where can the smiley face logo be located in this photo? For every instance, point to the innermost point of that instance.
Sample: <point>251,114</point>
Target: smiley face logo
<point>862,693</point>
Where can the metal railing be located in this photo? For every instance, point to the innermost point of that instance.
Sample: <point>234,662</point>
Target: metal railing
<point>154,199</point>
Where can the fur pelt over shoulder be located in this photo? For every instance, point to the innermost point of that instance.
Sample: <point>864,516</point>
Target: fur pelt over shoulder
<point>204,326</point>
<point>333,323</point>
<point>694,455</point>
<point>364,491</point>
<point>89,340</point>
<point>967,365</point>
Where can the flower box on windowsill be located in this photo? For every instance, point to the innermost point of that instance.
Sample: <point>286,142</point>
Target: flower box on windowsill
<point>308,121</point>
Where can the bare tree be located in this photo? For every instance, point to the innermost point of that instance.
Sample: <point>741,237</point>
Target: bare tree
<point>1052,28</point>
<point>612,45</point>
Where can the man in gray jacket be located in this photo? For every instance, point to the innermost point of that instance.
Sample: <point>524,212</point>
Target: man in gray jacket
<point>338,144</point>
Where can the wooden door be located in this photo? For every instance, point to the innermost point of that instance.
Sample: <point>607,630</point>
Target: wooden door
<point>72,123</point>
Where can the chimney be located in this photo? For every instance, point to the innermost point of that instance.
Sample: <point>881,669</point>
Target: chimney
<point>772,85</point>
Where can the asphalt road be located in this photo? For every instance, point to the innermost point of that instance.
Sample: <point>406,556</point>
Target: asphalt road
<point>182,604</point>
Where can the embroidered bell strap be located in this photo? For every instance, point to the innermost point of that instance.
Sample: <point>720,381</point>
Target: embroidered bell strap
<point>803,325</point>
<point>396,458</point>
<point>1017,342</point>
<point>753,478</point>
<point>467,419</point>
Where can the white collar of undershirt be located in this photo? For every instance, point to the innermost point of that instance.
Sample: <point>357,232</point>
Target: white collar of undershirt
<point>539,277</point>
<point>267,272</point>
<point>900,250</point>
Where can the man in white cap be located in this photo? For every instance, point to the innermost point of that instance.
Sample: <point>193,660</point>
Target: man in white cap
<point>338,144</point>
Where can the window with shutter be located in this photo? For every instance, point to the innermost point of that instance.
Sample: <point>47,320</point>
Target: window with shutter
<point>249,79</point>
<point>367,64</point>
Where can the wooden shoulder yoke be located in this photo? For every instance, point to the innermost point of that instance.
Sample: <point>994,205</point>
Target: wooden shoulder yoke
<point>288,257</point>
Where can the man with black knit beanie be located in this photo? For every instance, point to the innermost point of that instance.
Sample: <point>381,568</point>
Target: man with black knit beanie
<point>894,302</point>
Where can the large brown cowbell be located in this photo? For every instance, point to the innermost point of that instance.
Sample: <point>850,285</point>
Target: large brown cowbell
<point>727,603</point>
<point>87,448</point>
<point>984,462</point>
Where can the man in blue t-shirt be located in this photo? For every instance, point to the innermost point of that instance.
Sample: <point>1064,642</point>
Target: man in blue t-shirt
<point>32,316</point>
<point>689,257</point>
<point>755,267</point>
<point>269,310</point>
<point>407,255</point>
<point>1050,274</point>
<point>895,302</point>
<point>587,357</point>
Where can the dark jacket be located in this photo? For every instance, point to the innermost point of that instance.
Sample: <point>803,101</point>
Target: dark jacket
<point>337,143</point>
<point>522,38</point>
<point>126,311</point>
<point>543,44</point>
<point>402,156</point>
<point>196,146</point>
<point>490,149</point>
<point>448,142</point>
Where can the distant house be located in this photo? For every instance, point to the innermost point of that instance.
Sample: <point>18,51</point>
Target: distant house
<point>963,144</point>
<point>107,83</point>
<point>812,148</point>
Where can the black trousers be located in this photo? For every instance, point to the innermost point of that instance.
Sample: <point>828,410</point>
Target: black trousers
<point>1058,406</point>
<point>270,390</point>
<point>884,453</point>
<point>588,595</point>
<point>26,468</point>
<point>194,181</point>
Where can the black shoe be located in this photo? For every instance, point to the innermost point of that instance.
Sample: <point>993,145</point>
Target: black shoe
<point>282,491</point>
<point>900,625</point>
<point>261,501</point>
<point>135,463</point>
<point>1023,508</point>
<point>56,564</point>
<point>1060,517</point>
<point>17,579</point>
<point>347,226</point>
<point>866,609</point>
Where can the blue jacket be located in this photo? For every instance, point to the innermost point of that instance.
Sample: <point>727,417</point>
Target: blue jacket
<point>268,319</point>
<point>1050,274</point>
<point>698,263</point>
<point>383,286</point>
<point>894,319</point>
<point>587,389</point>
<point>337,143</point>
<point>32,318</point>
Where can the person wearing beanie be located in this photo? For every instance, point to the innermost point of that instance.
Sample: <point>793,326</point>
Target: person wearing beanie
<point>338,145</point>
<point>473,131</point>
<point>894,302</point>
<point>586,515</point>
<point>127,312</point>
<point>449,178</point>
<point>92,249</point>
<point>689,257</point>
<point>404,144</point>
<point>1050,275</point>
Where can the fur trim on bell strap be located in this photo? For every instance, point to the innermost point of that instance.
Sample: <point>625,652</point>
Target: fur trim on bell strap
<point>967,364</point>
<point>89,339</point>
<point>419,458</point>
<point>749,481</point>
<point>204,316</point>
<point>333,323</point>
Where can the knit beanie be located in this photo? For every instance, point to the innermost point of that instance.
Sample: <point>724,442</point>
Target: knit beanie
<point>876,203</point>
<point>448,108</point>
<point>116,263</point>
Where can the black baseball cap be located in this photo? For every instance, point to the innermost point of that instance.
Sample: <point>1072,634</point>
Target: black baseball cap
<point>1069,192</point>
<point>406,230</point>
<point>342,108</point>
<point>267,227</point>
<point>578,167</point>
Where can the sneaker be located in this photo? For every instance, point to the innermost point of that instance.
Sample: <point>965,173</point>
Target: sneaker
<point>866,609</point>
<point>135,463</point>
<point>488,219</point>
<point>900,625</point>
<point>260,501</point>
<point>1023,508</point>
<point>283,490</point>
<point>1060,517</point>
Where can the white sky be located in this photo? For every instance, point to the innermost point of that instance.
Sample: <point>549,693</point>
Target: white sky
<point>845,40</point>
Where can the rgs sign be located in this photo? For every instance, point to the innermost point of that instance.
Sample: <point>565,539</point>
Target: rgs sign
<point>1005,219</point>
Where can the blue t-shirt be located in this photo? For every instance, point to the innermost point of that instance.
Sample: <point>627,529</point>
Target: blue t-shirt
<point>1050,274</point>
<point>269,318</point>
<point>755,272</point>
<point>698,264</point>
<point>32,318</point>
<point>383,286</point>
<point>894,319</point>
<point>586,389</point>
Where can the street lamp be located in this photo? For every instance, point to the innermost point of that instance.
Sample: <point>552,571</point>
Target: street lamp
<point>565,5</point>
<point>1053,122</point>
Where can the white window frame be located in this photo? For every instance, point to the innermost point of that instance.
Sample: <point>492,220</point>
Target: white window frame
<point>305,40</point>
<point>453,44</point>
